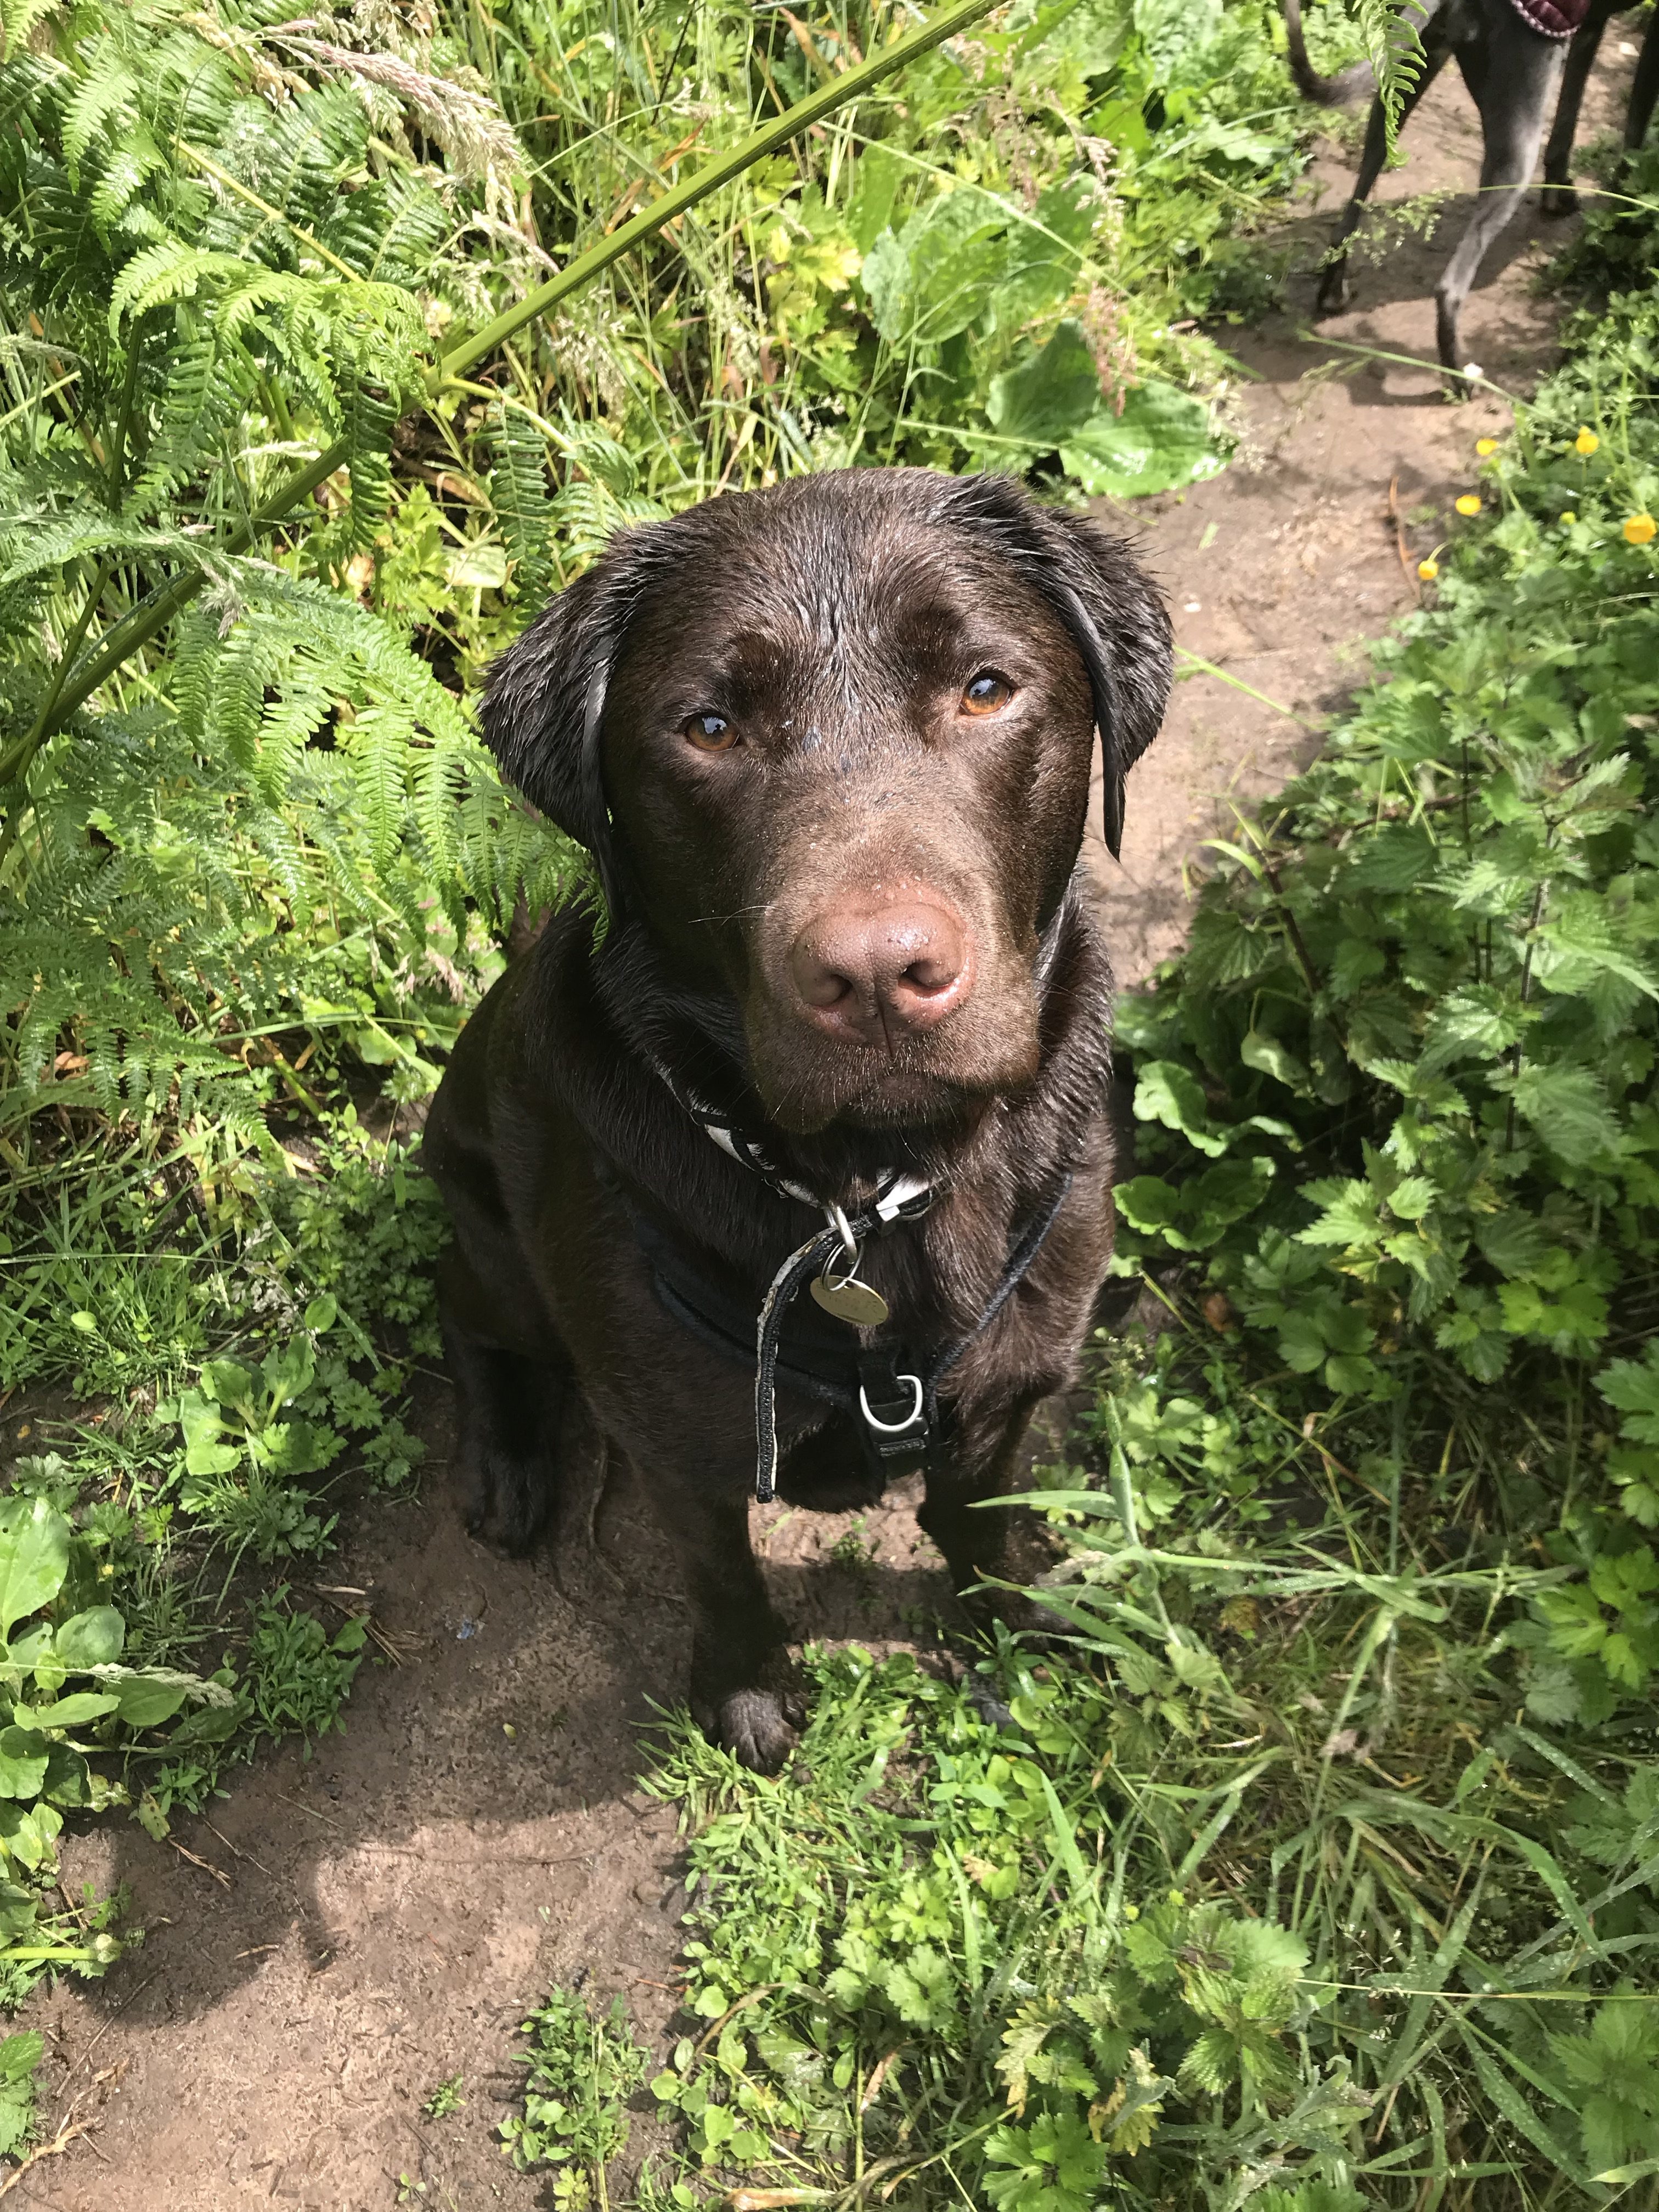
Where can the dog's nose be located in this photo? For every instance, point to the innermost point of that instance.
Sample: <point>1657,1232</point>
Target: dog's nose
<point>871,972</point>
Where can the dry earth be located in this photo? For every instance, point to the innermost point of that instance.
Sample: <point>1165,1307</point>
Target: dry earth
<point>347,1931</point>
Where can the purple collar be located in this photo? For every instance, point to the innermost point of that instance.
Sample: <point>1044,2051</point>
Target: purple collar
<point>1554,19</point>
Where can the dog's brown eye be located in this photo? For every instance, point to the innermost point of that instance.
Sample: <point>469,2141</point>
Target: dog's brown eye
<point>988,694</point>
<point>710,734</point>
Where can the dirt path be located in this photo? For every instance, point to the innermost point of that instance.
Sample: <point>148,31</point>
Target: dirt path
<point>375,1920</point>
<point>1282,570</point>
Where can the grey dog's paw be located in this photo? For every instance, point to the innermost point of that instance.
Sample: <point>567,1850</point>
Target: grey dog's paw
<point>752,1726</point>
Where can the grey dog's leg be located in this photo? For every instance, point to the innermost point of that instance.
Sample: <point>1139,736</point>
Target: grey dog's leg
<point>1437,52</point>
<point>1645,92</point>
<point>1559,199</point>
<point>1511,77</point>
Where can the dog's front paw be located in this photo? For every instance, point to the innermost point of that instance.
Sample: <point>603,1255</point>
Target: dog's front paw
<point>1557,200</point>
<point>506,1500</point>
<point>754,1726</point>
<point>1333,293</point>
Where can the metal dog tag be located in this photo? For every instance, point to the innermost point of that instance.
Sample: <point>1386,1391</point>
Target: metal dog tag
<point>850,1300</point>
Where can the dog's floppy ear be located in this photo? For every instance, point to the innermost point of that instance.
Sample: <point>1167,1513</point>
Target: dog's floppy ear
<point>1122,626</point>
<point>1115,615</point>
<point>544,700</point>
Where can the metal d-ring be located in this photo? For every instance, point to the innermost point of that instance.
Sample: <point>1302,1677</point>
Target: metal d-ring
<point>843,1229</point>
<point>894,1428</point>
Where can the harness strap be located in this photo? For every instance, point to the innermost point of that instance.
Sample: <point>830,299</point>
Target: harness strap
<point>808,1260</point>
<point>919,1427</point>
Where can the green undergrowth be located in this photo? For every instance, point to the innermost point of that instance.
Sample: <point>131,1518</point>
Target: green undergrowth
<point>1314,1866</point>
<point>200,1375</point>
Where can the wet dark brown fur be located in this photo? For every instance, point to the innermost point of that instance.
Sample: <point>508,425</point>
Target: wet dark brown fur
<point>834,624</point>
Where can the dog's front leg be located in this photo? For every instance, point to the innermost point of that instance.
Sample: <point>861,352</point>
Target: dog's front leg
<point>987,1544</point>
<point>743,1689</point>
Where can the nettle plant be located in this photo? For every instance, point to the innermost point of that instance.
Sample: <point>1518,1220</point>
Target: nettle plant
<point>1396,1100</point>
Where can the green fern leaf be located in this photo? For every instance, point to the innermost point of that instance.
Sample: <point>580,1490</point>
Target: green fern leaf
<point>519,494</point>
<point>107,94</point>
<point>1394,51</point>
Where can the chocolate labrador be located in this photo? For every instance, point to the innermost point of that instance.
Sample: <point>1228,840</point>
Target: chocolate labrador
<point>794,1168</point>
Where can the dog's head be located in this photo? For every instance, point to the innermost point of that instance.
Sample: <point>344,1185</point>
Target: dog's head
<point>831,746</point>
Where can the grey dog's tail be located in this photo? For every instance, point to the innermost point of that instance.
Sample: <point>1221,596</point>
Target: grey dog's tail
<point>1328,91</point>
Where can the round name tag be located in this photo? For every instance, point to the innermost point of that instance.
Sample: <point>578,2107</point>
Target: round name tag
<point>850,1300</point>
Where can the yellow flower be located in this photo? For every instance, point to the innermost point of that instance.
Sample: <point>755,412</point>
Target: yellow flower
<point>1428,569</point>
<point>1639,529</point>
<point>1469,503</point>
<point>1568,518</point>
<point>1485,446</point>
<point>1586,442</point>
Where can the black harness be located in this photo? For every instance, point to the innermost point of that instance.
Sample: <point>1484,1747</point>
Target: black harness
<point>889,1389</point>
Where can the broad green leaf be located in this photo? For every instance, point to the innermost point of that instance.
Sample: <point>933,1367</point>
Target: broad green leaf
<point>23,1755</point>
<point>934,278</point>
<point>1513,1241</point>
<point>26,1652</point>
<point>1262,1050</point>
<point>21,2054</point>
<point>69,1712</point>
<point>1090,36</point>
<point>34,1540</point>
<point>1175,34</point>
<point>226,1382</point>
<point>1568,1109</point>
<point>1146,1202</point>
<point>1632,1385</point>
<point>143,1703</point>
<point>1166,1091</point>
<point>1160,441</point>
<point>20,1908</point>
<point>1044,252</point>
<point>1049,395</point>
<point>205,1451</point>
<point>1392,858</point>
<point>93,1638</point>
<point>478,567</point>
<point>288,1373</point>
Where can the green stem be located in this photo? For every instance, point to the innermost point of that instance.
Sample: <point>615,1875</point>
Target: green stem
<point>16,761</point>
<point>159,607</point>
<point>15,764</point>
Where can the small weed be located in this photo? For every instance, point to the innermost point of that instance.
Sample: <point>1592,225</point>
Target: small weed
<point>298,1674</point>
<point>582,2071</point>
<point>446,2098</point>
<point>19,2056</point>
<point>855,1550</point>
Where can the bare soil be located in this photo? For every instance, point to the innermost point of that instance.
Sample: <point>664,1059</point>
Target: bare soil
<point>350,1929</point>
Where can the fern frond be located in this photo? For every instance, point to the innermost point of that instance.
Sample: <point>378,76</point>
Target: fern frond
<point>106,95</point>
<point>165,273</point>
<point>378,747</point>
<point>1394,51</point>
<point>233,727</point>
<point>519,494</point>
